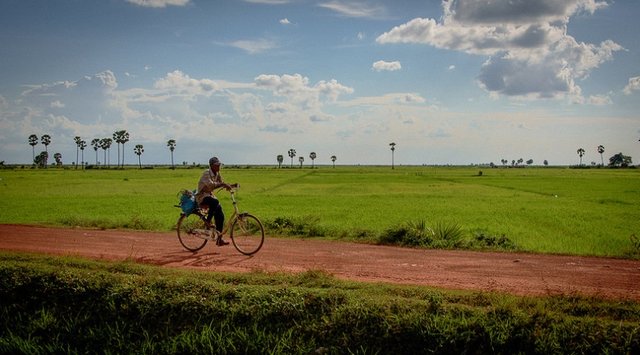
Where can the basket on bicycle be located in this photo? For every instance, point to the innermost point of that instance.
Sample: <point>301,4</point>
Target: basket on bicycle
<point>187,203</point>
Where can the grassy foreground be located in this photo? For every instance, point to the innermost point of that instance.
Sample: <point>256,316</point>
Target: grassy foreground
<point>64,305</point>
<point>547,210</point>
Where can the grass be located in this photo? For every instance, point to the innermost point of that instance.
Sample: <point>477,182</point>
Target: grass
<point>67,305</point>
<point>545,210</point>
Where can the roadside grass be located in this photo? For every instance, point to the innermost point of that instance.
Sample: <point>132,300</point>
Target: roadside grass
<point>545,210</point>
<point>68,305</point>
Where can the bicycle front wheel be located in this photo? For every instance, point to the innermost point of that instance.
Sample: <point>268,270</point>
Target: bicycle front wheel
<point>192,232</point>
<point>247,234</point>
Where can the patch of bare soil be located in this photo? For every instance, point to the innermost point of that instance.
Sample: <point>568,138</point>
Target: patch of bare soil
<point>515,273</point>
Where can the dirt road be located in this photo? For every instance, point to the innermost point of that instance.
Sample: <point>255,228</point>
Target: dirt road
<point>521,274</point>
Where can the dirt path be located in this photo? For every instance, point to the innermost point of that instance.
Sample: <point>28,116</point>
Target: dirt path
<point>522,274</point>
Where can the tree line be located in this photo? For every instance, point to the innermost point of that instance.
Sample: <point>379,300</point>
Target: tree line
<point>292,154</point>
<point>120,137</point>
<point>615,160</point>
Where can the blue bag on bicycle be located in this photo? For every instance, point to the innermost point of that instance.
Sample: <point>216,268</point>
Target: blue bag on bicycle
<point>187,201</point>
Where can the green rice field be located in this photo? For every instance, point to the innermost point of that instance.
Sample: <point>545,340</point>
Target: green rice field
<point>542,210</point>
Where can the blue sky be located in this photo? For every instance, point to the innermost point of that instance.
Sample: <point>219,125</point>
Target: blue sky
<point>450,82</point>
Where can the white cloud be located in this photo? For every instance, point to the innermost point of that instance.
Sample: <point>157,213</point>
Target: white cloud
<point>57,104</point>
<point>269,2</point>
<point>599,100</point>
<point>354,8</point>
<point>531,54</point>
<point>391,99</point>
<point>451,67</point>
<point>633,85</point>
<point>179,82</point>
<point>285,21</point>
<point>296,87</point>
<point>386,66</point>
<point>412,98</point>
<point>159,3</point>
<point>254,46</point>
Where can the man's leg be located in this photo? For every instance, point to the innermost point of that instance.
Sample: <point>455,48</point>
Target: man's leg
<point>215,212</point>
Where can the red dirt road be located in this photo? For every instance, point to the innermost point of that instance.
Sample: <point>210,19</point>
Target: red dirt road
<point>515,273</point>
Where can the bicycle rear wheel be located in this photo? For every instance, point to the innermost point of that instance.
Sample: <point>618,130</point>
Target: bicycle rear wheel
<point>192,232</point>
<point>247,234</point>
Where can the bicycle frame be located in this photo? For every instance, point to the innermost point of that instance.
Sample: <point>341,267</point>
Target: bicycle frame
<point>245,230</point>
<point>234,215</point>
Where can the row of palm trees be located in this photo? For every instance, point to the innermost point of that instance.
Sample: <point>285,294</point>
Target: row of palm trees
<point>292,153</point>
<point>120,137</point>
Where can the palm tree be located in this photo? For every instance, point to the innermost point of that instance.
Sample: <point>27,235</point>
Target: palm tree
<point>95,143</point>
<point>77,140</point>
<point>121,137</point>
<point>139,149</point>
<point>301,160</point>
<point>117,138</point>
<point>45,140</point>
<point>312,156</point>
<point>33,141</point>
<point>105,144</point>
<point>171,143</point>
<point>580,154</point>
<point>292,153</point>
<point>82,145</point>
<point>393,149</point>
<point>280,159</point>
<point>601,150</point>
<point>333,160</point>
<point>125,139</point>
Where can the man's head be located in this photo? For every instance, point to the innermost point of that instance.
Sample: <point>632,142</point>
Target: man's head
<point>214,163</point>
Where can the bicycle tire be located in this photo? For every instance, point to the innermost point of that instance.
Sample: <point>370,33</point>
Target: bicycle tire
<point>187,232</point>
<point>247,234</point>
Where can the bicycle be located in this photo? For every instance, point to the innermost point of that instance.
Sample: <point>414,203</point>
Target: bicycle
<point>245,230</point>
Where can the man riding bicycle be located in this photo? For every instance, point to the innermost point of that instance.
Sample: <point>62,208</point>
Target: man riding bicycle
<point>210,180</point>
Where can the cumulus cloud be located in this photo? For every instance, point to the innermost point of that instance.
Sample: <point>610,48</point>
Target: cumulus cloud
<point>633,85</point>
<point>177,81</point>
<point>297,88</point>
<point>530,52</point>
<point>159,3</point>
<point>285,21</point>
<point>381,65</point>
<point>295,102</point>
